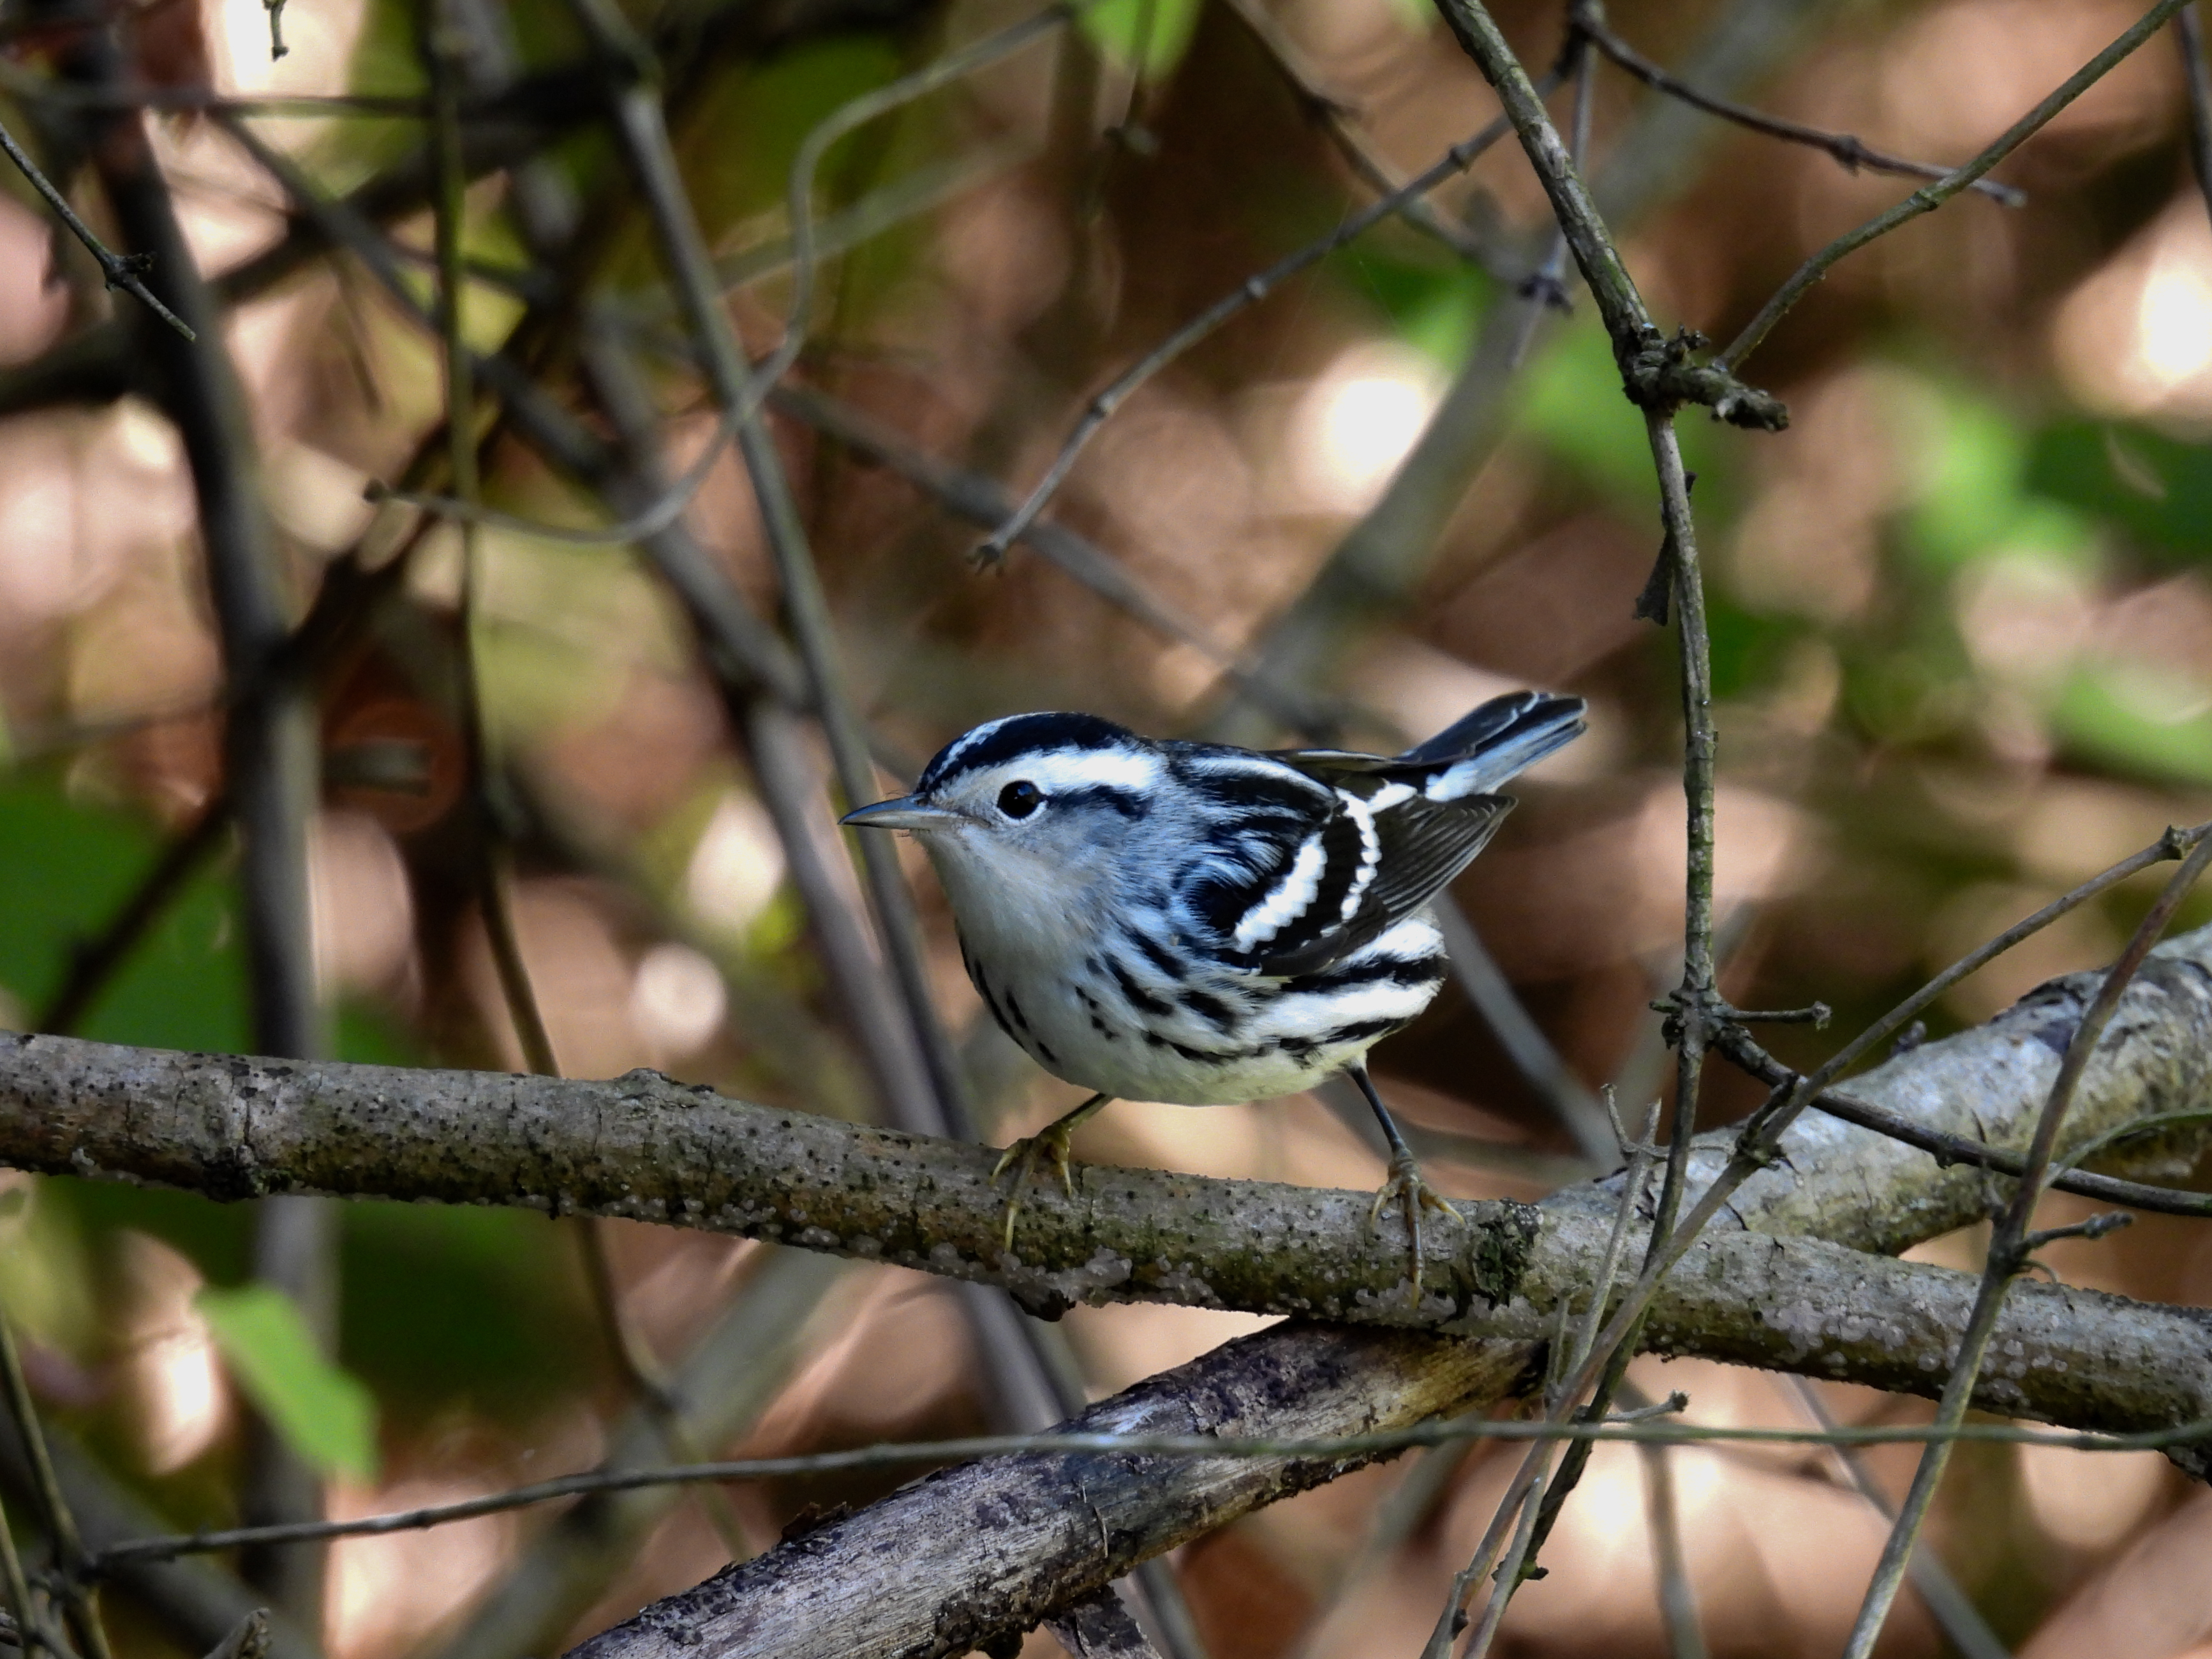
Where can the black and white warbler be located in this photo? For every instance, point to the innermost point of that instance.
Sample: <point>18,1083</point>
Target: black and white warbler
<point>1205,924</point>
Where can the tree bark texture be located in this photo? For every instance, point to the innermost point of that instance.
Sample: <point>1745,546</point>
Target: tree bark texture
<point>1795,1281</point>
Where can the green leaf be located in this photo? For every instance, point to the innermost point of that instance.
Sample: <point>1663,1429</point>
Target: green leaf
<point>1571,404</point>
<point>65,867</point>
<point>1149,35</point>
<point>324,1414</point>
<point>2156,487</point>
<point>2137,718</point>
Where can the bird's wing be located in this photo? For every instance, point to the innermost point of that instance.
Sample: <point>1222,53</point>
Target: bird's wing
<point>1417,846</point>
<point>1305,864</point>
<point>1321,851</point>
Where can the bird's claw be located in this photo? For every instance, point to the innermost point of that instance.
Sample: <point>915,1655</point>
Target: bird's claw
<point>1050,1144</point>
<point>1413,1195</point>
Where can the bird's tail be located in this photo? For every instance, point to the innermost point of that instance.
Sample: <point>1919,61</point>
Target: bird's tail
<point>1503,738</point>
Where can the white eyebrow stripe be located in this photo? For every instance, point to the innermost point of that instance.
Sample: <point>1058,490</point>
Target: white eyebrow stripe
<point>1289,900</point>
<point>1057,771</point>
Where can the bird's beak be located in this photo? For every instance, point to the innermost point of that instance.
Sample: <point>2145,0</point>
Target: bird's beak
<point>901,812</point>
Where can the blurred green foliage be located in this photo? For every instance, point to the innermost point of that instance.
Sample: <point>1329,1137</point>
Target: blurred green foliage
<point>1152,34</point>
<point>327,1417</point>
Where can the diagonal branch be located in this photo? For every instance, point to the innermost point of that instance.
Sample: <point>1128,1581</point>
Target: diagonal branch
<point>1656,373</point>
<point>1849,153</point>
<point>1929,197</point>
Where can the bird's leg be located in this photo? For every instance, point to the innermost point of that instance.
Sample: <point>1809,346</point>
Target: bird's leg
<point>1049,1143</point>
<point>1405,1184</point>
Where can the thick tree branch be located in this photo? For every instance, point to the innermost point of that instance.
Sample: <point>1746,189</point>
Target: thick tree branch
<point>643,1147</point>
<point>648,1148</point>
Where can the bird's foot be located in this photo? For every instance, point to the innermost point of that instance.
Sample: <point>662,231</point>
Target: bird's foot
<point>1050,1146</point>
<point>1413,1195</point>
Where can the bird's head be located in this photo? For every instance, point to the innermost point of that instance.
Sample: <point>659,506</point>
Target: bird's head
<point>1026,808</point>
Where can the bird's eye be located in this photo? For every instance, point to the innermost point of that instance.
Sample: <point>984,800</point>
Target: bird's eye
<point>1020,797</point>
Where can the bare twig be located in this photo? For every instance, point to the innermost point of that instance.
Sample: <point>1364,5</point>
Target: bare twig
<point>1929,197</point>
<point>1958,1149</point>
<point>1340,121</point>
<point>1759,1141</point>
<point>980,501</point>
<point>1378,563</point>
<point>194,1602</point>
<point>642,133</point>
<point>668,505</point>
<point>1014,1354</point>
<point>124,270</point>
<point>1645,1427</point>
<point>850,118</point>
<point>1952,1608</point>
<point>1589,20</point>
<point>2009,1247</point>
<point>94,961</point>
<point>2197,76</point>
<point>21,1612</point>
<point>1662,1518</point>
<point>270,742</point>
<point>74,1588</point>
<point>1656,373</point>
<point>1601,1371</point>
<point>1526,1495</point>
<point>1255,288</point>
<point>731,1376</point>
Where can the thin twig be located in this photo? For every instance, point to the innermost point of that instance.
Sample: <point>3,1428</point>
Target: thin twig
<point>640,1371</point>
<point>980,501</point>
<point>1760,1138</point>
<point>93,961</point>
<point>667,506</point>
<point>1255,288</point>
<point>21,1609</point>
<point>2197,76</point>
<point>641,130</point>
<point>1014,1353</point>
<point>1524,1492</point>
<point>1528,1512</point>
<point>1656,373</point>
<point>1339,120</point>
<point>1697,1001</point>
<point>1929,197</point>
<point>75,1588</point>
<point>1952,1608</point>
<point>848,117</point>
<point>272,760</point>
<point>2008,1255</point>
<point>1663,1519</point>
<point>124,270</point>
<point>1628,1430</point>
<point>2066,1177</point>
<point>1848,152</point>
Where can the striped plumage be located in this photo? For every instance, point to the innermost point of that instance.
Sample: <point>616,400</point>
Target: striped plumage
<point>1201,924</point>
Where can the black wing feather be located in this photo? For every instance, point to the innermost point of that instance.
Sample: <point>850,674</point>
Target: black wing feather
<point>1424,845</point>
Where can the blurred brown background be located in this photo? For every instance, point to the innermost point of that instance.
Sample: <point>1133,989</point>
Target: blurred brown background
<point>1963,648</point>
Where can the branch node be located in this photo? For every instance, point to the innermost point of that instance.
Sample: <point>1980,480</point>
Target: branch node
<point>1658,373</point>
<point>2107,1221</point>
